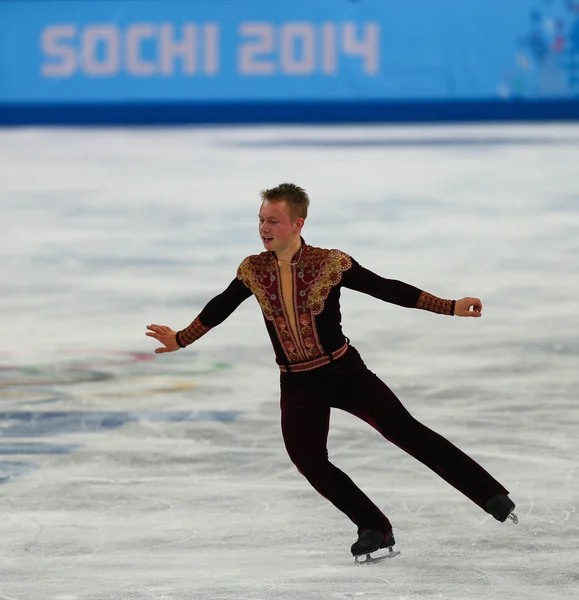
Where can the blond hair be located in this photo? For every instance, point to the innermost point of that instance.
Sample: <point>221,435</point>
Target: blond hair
<point>295,197</point>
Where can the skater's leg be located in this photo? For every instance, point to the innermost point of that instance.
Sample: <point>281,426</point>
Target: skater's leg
<point>305,424</point>
<point>369,398</point>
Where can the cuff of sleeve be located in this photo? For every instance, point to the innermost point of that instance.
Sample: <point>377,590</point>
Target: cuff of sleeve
<point>434,304</point>
<point>187,336</point>
<point>179,343</point>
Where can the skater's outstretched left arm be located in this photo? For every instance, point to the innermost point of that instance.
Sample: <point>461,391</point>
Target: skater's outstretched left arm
<point>403,294</point>
<point>213,314</point>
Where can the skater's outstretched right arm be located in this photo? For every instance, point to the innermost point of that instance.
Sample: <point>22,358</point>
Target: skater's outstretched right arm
<point>214,313</point>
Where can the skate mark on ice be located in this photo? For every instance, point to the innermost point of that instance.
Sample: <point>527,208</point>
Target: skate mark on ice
<point>481,574</point>
<point>286,530</point>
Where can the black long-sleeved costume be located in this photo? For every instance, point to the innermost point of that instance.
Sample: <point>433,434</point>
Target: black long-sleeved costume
<point>318,275</point>
<point>311,386</point>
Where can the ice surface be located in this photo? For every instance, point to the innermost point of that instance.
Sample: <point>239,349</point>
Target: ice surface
<point>128,475</point>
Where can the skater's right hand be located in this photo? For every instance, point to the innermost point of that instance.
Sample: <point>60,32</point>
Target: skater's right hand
<point>166,336</point>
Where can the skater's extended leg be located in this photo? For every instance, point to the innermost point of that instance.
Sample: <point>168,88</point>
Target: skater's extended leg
<point>305,424</point>
<point>368,397</point>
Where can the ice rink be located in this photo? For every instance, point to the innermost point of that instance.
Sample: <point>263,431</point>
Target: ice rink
<point>128,475</point>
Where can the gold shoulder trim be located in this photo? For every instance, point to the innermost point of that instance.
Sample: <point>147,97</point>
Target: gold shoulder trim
<point>331,270</point>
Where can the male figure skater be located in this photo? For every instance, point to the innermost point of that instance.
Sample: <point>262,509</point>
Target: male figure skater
<point>298,289</point>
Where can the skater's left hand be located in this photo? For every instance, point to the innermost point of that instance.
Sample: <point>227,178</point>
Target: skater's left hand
<point>468,307</point>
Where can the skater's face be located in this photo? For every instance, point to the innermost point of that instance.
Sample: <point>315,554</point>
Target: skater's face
<point>277,228</point>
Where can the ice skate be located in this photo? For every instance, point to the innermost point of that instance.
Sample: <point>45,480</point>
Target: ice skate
<point>501,508</point>
<point>372,546</point>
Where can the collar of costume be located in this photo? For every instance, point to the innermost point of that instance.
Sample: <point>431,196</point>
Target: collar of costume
<point>297,257</point>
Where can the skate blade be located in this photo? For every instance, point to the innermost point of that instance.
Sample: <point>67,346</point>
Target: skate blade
<point>513,517</point>
<point>374,557</point>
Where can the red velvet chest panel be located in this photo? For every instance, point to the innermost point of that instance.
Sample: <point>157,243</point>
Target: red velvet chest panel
<point>314,275</point>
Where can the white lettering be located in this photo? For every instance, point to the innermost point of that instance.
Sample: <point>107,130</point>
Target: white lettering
<point>106,37</point>
<point>167,49</point>
<point>305,34</point>
<point>211,49</point>
<point>57,43</point>
<point>367,47</point>
<point>172,49</point>
<point>248,63</point>
<point>135,35</point>
<point>329,50</point>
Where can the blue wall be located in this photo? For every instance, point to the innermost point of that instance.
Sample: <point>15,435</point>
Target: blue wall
<point>156,61</point>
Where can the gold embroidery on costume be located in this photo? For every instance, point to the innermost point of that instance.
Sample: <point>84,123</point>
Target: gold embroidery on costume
<point>330,275</point>
<point>287,297</point>
<point>261,275</point>
<point>317,272</point>
<point>251,272</point>
<point>431,303</point>
<point>287,340</point>
<point>192,333</point>
<point>320,361</point>
<point>314,275</point>
<point>306,326</point>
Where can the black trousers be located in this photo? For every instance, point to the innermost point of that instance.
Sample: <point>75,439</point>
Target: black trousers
<point>347,384</point>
